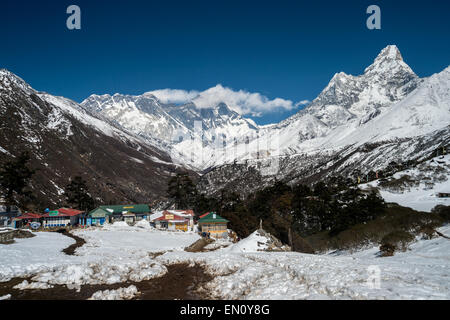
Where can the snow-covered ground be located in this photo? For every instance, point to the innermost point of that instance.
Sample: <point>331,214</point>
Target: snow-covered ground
<point>421,273</point>
<point>122,242</point>
<point>417,199</point>
<point>423,196</point>
<point>31,255</point>
<point>112,254</point>
<point>253,243</point>
<point>118,253</point>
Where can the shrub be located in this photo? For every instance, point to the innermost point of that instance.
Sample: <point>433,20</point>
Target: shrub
<point>398,240</point>
<point>387,250</point>
<point>301,245</point>
<point>443,212</point>
<point>396,185</point>
<point>427,232</point>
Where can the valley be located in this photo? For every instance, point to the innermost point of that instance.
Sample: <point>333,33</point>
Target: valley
<point>355,181</point>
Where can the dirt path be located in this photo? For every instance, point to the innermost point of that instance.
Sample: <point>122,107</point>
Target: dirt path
<point>180,282</point>
<point>79,242</point>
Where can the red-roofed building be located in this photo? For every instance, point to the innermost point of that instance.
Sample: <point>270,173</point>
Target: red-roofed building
<point>25,219</point>
<point>62,217</point>
<point>29,216</point>
<point>174,220</point>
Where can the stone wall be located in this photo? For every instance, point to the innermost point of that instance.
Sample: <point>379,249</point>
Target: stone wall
<point>6,236</point>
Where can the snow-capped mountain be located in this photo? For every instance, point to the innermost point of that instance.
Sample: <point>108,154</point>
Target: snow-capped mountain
<point>65,140</point>
<point>357,123</point>
<point>344,113</point>
<point>388,80</point>
<point>352,99</point>
<point>168,125</point>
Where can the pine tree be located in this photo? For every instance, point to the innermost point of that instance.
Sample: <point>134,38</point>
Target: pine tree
<point>228,201</point>
<point>204,204</point>
<point>77,194</point>
<point>14,178</point>
<point>182,191</point>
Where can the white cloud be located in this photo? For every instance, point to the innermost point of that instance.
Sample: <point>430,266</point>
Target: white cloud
<point>174,95</point>
<point>302,103</point>
<point>241,101</point>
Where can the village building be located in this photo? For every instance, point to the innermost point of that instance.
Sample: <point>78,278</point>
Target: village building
<point>444,195</point>
<point>188,214</point>
<point>109,214</point>
<point>154,219</point>
<point>182,220</point>
<point>7,216</point>
<point>62,217</point>
<point>26,219</point>
<point>214,225</point>
<point>97,216</point>
<point>129,217</point>
<point>203,215</point>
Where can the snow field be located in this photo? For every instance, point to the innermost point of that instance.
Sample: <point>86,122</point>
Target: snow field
<point>117,254</point>
<point>29,256</point>
<point>113,254</point>
<point>420,273</point>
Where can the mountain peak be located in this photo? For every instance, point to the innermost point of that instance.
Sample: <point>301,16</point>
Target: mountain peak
<point>389,61</point>
<point>6,73</point>
<point>9,79</point>
<point>223,108</point>
<point>391,52</point>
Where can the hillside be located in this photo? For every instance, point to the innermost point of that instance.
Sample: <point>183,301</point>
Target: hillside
<point>64,140</point>
<point>418,187</point>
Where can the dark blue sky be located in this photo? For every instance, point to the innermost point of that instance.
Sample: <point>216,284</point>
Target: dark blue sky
<point>286,49</point>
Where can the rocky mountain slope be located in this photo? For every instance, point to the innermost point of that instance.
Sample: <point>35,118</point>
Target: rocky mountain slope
<point>179,129</point>
<point>356,125</point>
<point>388,101</point>
<point>65,140</point>
<point>418,187</point>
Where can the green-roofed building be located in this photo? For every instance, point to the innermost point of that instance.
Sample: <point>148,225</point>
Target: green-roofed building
<point>98,213</point>
<point>132,212</point>
<point>133,208</point>
<point>213,224</point>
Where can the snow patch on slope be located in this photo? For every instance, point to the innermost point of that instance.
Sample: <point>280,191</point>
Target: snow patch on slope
<point>421,194</point>
<point>253,243</point>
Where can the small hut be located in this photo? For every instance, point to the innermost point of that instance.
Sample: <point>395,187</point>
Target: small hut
<point>213,224</point>
<point>444,195</point>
